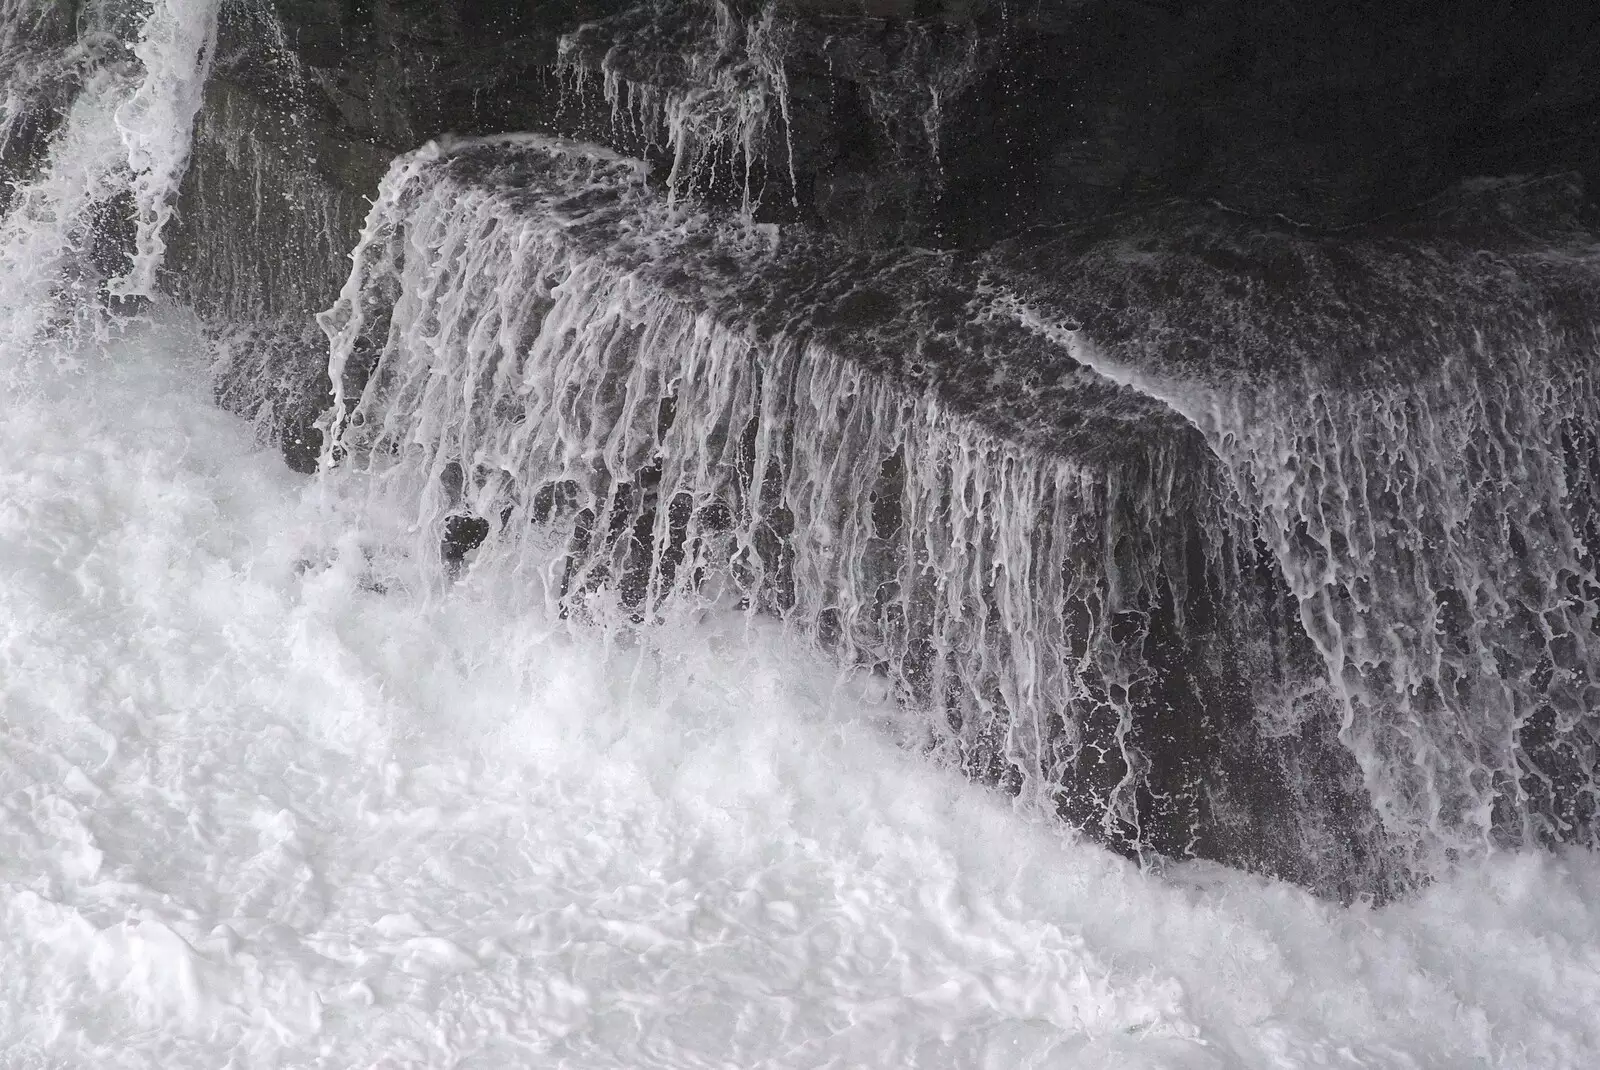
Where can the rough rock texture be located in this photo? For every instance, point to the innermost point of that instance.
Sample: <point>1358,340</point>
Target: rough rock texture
<point>951,122</point>
<point>1269,202</point>
<point>1029,127</point>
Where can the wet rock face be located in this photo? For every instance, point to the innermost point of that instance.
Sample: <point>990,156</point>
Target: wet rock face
<point>1328,114</point>
<point>40,71</point>
<point>1239,242</point>
<point>962,120</point>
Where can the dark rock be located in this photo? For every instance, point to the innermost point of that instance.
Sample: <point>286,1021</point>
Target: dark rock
<point>1219,195</point>
<point>462,534</point>
<point>39,72</point>
<point>961,122</point>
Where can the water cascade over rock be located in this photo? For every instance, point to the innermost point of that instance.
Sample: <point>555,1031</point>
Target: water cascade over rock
<point>1423,478</point>
<point>1223,497</point>
<point>113,98</point>
<point>530,336</point>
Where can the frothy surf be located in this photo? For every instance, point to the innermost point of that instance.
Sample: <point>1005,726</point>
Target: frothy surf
<point>270,794</point>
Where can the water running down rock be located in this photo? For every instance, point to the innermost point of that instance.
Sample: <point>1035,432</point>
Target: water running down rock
<point>1156,521</point>
<point>604,699</point>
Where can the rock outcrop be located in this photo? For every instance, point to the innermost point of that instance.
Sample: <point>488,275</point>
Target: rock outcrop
<point>1236,259</point>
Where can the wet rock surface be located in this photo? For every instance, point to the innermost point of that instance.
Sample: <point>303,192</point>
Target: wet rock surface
<point>1120,235</point>
<point>955,122</point>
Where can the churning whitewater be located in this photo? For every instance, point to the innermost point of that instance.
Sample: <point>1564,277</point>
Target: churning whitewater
<point>282,784</point>
<point>270,799</point>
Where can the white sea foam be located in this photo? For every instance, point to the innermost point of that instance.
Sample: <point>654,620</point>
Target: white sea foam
<point>274,794</point>
<point>267,798</point>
